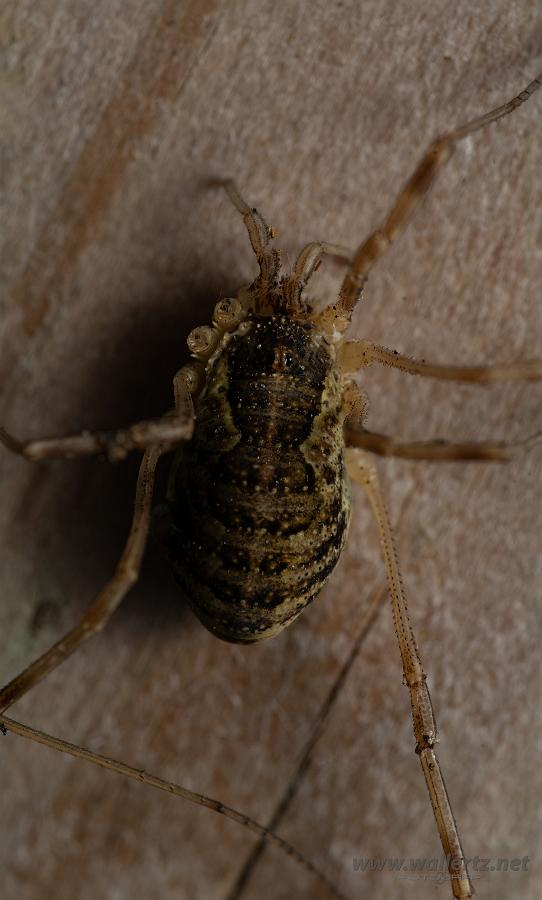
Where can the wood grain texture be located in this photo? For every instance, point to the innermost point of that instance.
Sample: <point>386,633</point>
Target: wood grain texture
<point>116,118</point>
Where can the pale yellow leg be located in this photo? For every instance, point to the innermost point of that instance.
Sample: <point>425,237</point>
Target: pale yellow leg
<point>363,472</point>
<point>355,355</point>
<point>408,200</point>
<point>143,777</point>
<point>170,430</point>
<point>437,450</point>
<point>104,605</point>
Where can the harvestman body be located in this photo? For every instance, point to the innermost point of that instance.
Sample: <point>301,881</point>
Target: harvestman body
<point>269,425</point>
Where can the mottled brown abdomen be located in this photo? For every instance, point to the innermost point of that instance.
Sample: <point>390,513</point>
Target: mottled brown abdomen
<point>259,500</point>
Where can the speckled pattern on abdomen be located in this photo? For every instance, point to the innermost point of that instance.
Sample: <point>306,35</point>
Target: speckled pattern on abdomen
<point>259,497</point>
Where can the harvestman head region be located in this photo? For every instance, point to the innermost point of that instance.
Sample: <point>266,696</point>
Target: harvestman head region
<point>268,431</point>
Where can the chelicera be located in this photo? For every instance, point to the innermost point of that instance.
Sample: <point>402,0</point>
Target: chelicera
<point>268,428</point>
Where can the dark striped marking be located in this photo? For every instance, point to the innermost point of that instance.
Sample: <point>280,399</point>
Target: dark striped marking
<point>259,499</point>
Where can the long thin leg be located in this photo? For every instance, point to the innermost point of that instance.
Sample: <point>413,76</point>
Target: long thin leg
<point>437,450</point>
<point>355,355</point>
<point>104,605</point>
<point>260,235</point>
<point>415,189</point>
<point>169,430</point>
<point>362,470</point>
<point>177,790</point>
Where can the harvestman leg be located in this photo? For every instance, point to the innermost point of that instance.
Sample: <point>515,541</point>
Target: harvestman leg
<point>437,450</point>
<point>177,790</point>
<point>355,355</point>
<point>363,471</point>
<point>104,605</point>
<point>415,189</point>
<point>158,437</point>
<point>171,429</point>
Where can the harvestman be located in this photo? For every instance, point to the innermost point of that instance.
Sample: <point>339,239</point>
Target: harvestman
<point>158,437</point>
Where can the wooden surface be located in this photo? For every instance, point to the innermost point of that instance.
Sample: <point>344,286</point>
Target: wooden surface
<point>116,117</point>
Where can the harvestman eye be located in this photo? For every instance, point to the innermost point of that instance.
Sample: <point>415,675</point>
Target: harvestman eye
<point>267,429</point>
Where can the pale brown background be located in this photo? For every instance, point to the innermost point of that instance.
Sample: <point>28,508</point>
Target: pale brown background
<point>115,116</point>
